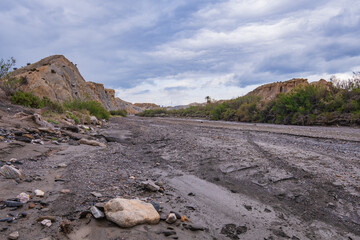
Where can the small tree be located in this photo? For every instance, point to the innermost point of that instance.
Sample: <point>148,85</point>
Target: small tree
<point>208,99</point>
<point>8,83</point>
<point>5,67</point>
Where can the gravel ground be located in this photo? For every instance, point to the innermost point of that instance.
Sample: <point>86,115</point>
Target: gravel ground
<point>237,181</point>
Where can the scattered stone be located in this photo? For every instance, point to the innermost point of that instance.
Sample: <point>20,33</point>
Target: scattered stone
<point>13,203</point>
<point>64,191</point>
<point>190,208</point>
<point>178,216</point>
<point>28,136</point>
<point>10,172</point>
<point>31,205</point>
<point>150,185</point>
<point>248,207</point>
<point>47,238</point>
<point>72,129</point>
<point>184,219</point>
<point>39,193</point>
<point>91,142</point>
<point>100,206</point>
<point>94,120</point>
<point>66,226</point>
<point>23,197</point>
<point>22,139</point>
<point>191,194</point>
<point>194,227</point>
<point>46,222</point>
<point>267,210</point>
<point>96,194</point>
<point>85,214</point>
<point>331,205</point>
<point>5,219</point>
<point>280,233</point>
<point>45,126</point>
<point>131,177</point>
<point>51,218</point>
<point>14,235</point>
<point>128,213</point>
<point>62,165</point>
<point>171,218</point>
<point>232,231</point>
<point>96,212</point>
<point>38,141</point>
<point>168,233</point>
<point>3,229</point>
<point>23,214</point>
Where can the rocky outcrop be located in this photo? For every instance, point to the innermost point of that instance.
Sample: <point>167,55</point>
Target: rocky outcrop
<point>59,79</point>
<point>269,91</point>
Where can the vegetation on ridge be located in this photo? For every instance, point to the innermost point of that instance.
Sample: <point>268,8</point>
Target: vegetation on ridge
<point>338,103</point>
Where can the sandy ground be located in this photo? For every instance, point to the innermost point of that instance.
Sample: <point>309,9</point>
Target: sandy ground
<point>238,181</point>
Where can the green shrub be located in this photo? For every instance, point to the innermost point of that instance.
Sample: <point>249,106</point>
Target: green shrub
<point>94,108</point>
<point>27,99</point>
<point>53,106</point>
<point>153,112</point>
<point>120,112</point>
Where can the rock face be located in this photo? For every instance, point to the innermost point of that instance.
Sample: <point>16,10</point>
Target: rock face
<point>269,91</point>
<point>59,79</point>
<point>128,213</point>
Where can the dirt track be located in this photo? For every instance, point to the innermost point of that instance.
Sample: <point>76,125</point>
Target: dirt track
<point>281,182</point>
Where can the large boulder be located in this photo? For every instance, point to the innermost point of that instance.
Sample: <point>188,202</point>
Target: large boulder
<point>128,213</point>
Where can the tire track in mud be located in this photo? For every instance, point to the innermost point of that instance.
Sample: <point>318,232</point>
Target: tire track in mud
<point>309,209</point>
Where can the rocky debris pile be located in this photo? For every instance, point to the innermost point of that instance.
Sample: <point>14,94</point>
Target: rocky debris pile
<point>47,133</point>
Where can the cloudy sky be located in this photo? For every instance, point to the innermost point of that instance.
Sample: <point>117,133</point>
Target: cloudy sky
<point>178,52</point>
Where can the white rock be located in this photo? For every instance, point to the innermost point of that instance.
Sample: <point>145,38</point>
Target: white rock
<point>128,213</point>
<point>24,197</point>
<point>46,222</point>
<point>14,235</point>
<point>62,165</point>
<point>39,193</point>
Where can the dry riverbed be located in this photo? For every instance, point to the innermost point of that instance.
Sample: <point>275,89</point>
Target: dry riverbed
<point>231,180</point>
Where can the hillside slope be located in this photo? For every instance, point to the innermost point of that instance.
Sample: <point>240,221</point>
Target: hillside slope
<point>59,79</point>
